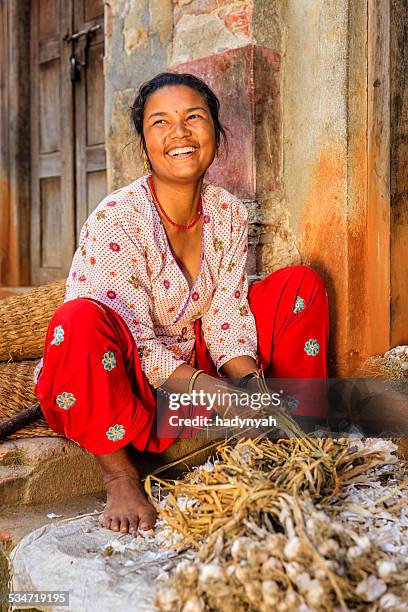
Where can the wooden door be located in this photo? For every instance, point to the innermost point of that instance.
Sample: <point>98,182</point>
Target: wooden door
<point>52,161</point>
<point>67,135</point>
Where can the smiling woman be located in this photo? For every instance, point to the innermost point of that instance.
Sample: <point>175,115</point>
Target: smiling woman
<point>158,297</point>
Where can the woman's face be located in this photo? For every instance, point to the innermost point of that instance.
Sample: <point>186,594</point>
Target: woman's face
<point>176,117</point>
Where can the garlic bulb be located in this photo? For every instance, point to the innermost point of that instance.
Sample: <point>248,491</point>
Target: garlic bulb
<point>243,573</point>
<point>211,572</point>
<point>256,555</point>
<point>371,588</point>
<point>270,592</point>
<point>194,604</point>
<point>329,548</point>
<point>271,566</point>
<point>275,542</point>
<point>389,601</point>
<point>293,569</point>
<point>315,594</point>
<point>239,548</point>
<point>187,572</point>
<point>166,600</point>
<point>293,549</point>
<point>354,552</point>
<point>253,591</point>
<point>302,581</point>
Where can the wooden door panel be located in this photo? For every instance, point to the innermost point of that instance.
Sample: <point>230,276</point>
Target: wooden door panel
<point>50,189</point>
<point>95,95</point>
<point>48,15</point>
<point>93,9</point>
<point>96,189</point>
<point>50,113</point>
<point>399,172</point>
<point>68,158</point>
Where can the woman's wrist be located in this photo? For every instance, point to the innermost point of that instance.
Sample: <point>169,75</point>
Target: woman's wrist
<point>245,380</point>
<point>238,367</point>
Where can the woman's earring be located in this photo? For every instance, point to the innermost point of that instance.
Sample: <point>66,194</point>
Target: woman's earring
<point>146,164</point>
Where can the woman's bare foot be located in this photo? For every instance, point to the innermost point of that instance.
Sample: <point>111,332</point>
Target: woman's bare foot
<point>128,508</point>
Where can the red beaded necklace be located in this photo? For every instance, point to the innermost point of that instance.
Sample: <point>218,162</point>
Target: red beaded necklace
<point>181,227</point>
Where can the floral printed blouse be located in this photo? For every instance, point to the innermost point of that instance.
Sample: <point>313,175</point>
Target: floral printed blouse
<point>125,261</point>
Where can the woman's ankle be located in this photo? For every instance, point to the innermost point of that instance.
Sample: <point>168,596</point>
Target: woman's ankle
<point>109,477</point>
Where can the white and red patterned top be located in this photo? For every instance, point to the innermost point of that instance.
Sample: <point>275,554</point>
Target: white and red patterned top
<point>124,260</point>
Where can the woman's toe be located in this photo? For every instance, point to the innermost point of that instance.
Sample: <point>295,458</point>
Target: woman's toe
<point>146,522</point>
<point>115,524</point>
<point>133,522</point>
<point>124,525</point>
<point>107,522</point>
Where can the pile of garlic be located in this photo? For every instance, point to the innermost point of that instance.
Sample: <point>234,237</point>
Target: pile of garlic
<point>316,557</point>
<point>282,573</point>
<point>400,354</point>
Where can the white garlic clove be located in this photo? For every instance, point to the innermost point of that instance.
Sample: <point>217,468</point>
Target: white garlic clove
<point>293,549</point>
<point>302,582</point>
<point>386,569</point>
<point>293,569</point>
<point>212,572</point>
<point>271,566</point>
<point>315,594</point>
<point>253,591</point>
<point>371,588</point>
<point>239,548</point>
<point>389,601</point>
<point>194,604</point>
<point>166,600</point>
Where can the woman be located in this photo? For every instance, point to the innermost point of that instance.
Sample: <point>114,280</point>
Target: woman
<point>158,297</point>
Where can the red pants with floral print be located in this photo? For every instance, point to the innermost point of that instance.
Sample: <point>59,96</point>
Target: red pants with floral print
<point>92,389</point>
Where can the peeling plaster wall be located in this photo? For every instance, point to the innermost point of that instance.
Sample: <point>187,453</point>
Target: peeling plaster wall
<point>315,99</point>
<point>323,98</point>
<point>226,24</point>
<point>138,39</point>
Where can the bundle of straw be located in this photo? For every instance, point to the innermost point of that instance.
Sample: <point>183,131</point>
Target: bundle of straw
<point>16,398</point>
<point>24,321</point>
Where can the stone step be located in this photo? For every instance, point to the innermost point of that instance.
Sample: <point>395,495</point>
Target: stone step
<point>50,469</point>
<point>13,482</point>
<point>45,470</point>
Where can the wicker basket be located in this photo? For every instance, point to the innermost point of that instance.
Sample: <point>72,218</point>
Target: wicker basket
<point>24,321</point>
<point>16,394</point>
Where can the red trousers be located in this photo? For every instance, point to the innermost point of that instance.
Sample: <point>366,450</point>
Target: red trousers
<point>93,391</point>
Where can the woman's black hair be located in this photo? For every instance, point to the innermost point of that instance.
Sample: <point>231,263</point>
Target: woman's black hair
<point>173,78</point>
